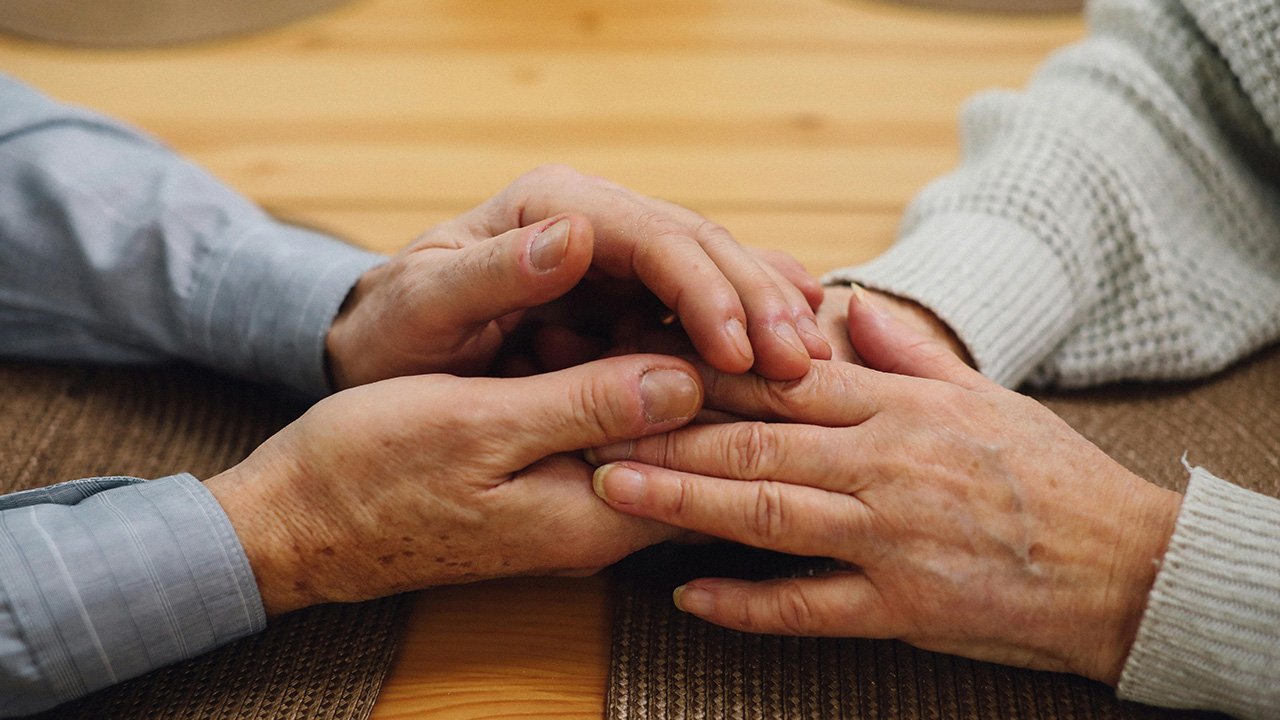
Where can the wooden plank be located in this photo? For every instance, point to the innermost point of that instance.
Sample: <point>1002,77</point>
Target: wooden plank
<point>788,105</point>
<point>528,648</point>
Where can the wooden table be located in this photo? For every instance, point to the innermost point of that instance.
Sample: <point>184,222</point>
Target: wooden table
<point>801,124</point>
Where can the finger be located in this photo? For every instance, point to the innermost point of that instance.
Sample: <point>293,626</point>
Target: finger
<point>833,321</point>
<point>772,515</point>
<point>519,269</point>
<point>804,316</point>
<point>890,345</point>
<point>794,272</point>
<point>834,394</point>
<point>632,240</point>
<point>835,604</point>
<point>796,454</point>
<point>583,406</point>
<point>564,524</point>
<point>772,317</point>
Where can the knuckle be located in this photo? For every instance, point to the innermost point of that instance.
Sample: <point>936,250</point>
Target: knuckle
<point>679,501</point>
<point>767,516</point>
<point>595,404</point>
<point>791,397</point>
<point>842,380</point>
<point>768,303</point>
<point>709,232</point>
<point>486,263</point>
<point>749,447</point>
<point>658,226</point>
<point>665,450</point>
<point>794,611</point>
<point>752,618</point>
<point>781,260</point>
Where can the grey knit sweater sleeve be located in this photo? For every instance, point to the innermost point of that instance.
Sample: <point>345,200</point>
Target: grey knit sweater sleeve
<point>1120,219</point>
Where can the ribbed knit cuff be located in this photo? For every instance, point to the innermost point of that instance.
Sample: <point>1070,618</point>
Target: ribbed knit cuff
<point>1002,292</point>
<point>1210,636</point>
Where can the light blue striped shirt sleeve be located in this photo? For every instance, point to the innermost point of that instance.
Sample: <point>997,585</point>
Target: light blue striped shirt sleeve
<point>113,249</point>
<point>104,579</point>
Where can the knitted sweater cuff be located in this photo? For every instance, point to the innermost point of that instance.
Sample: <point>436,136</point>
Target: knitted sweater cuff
<point>1210,636</point>
<point>1002,291</point>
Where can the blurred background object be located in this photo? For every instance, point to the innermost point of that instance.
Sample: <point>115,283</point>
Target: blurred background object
<point>132,23</point>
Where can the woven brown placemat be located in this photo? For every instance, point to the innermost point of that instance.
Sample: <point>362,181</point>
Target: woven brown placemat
<point>670,666</point>
<point>62,423</point>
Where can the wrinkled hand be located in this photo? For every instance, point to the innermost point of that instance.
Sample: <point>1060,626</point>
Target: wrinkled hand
<point>428,480</point>
<point>449,301</point>
<point>972,519</point>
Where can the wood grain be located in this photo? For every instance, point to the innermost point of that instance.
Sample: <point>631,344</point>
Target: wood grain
<point>801,124</point>
<point>525,648</point>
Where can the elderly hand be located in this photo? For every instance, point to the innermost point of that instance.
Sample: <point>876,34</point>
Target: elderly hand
<point>449,300</point>
<point>427,480</point>
<point>972,519</point>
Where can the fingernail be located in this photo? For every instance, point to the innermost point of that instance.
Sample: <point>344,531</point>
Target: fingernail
<point>618,484</point>
<point>807,326</point>
<point>692,600</point>
<point>669,395</point>
<point>549,246</point>
<point>860,294</point>
<point>608,453</point>
<point>787,334</point>
<point>737,333</point>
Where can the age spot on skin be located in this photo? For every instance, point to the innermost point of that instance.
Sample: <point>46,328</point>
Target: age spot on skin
<point>408,553</point>
<point>386,559</point>
<point>327,551</point>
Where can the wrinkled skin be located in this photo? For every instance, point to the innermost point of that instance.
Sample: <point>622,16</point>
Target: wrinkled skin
<point>971,519</point>
<point>544,271</point>
<point>431,480</point>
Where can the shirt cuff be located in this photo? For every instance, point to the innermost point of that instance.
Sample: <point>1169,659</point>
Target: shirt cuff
<point>264,302</point>
<point>105,579</point>
<point>1001,290</point>
<point>1210,636</point>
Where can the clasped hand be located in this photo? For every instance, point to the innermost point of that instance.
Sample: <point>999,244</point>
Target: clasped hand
<point>970,519</point>
<point>407,479</point>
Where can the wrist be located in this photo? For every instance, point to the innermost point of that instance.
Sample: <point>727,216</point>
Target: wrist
<point>341,344</point>
<point>263,523</point>
<point>1147,525</point>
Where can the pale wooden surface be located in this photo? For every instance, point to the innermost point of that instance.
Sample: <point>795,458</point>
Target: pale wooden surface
<point>802,124</point>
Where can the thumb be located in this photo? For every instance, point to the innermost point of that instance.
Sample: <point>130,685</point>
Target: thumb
<point>593,404</point>
<point>519,269</point>
<point>888,344</point>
